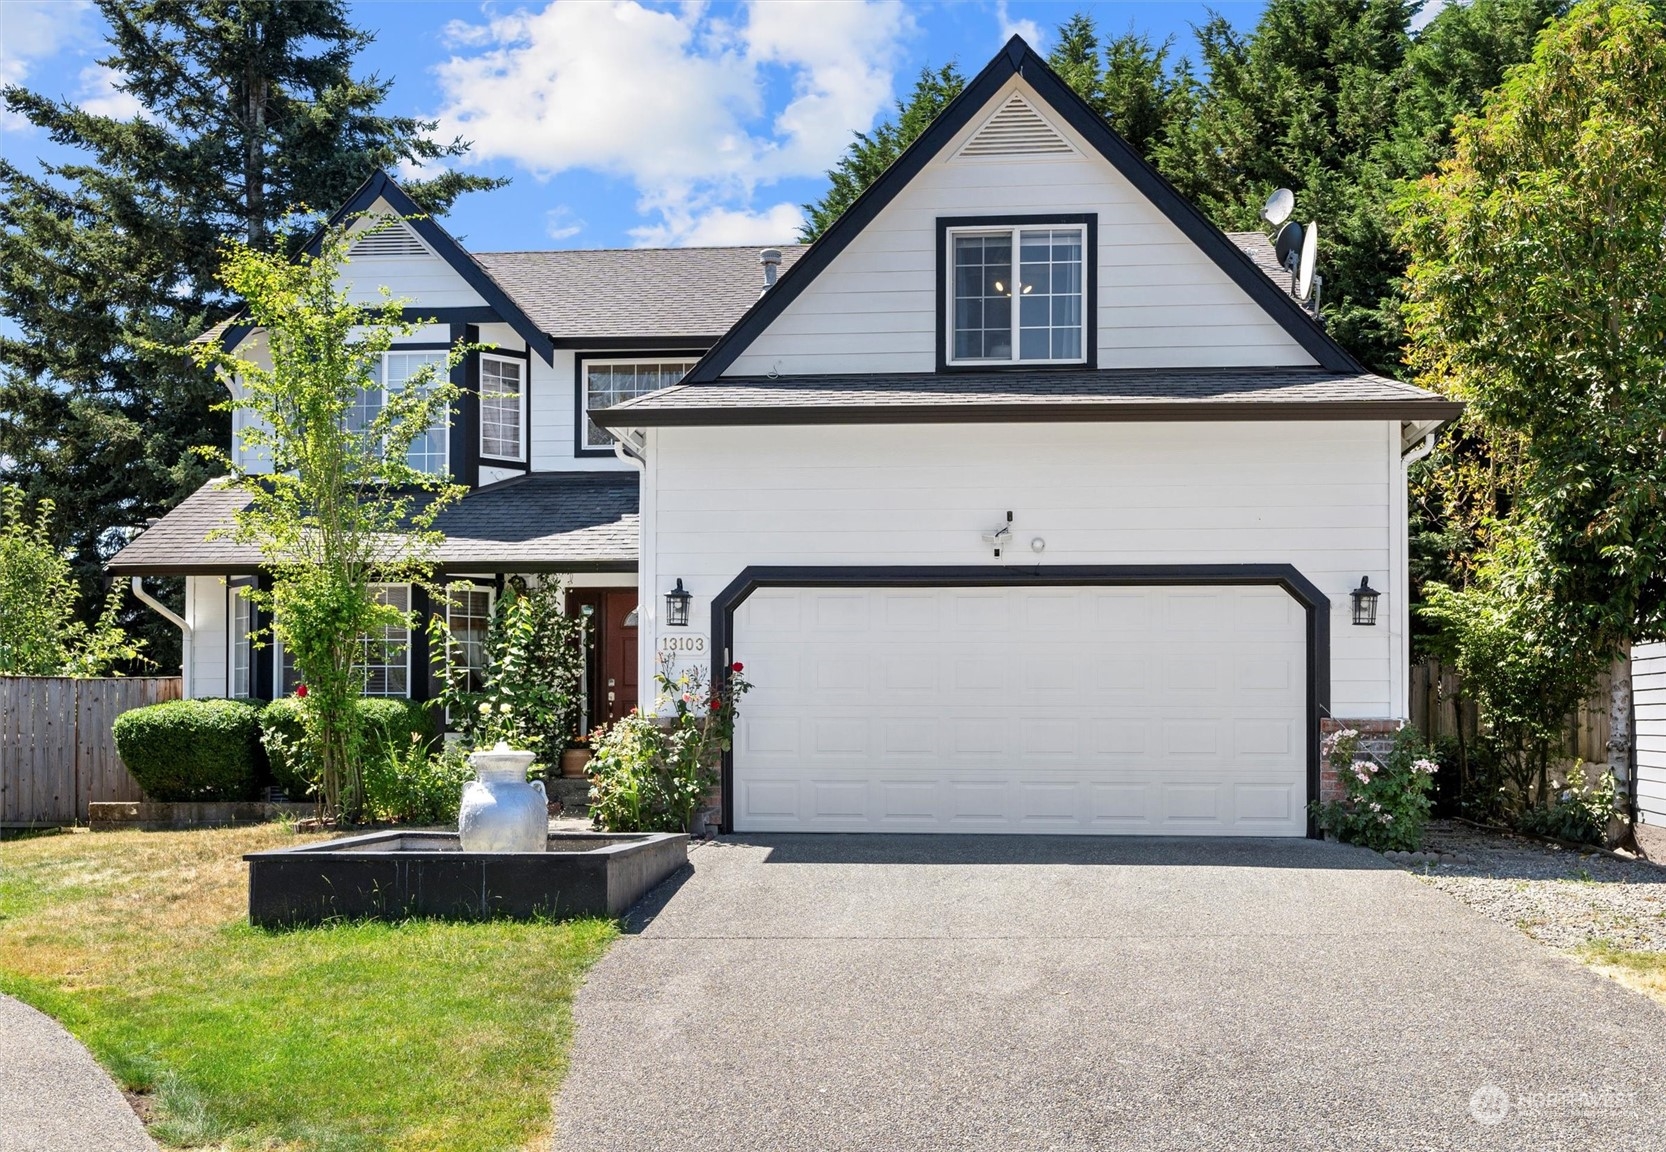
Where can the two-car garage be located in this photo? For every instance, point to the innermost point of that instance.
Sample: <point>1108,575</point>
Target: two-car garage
<point>972,705</point>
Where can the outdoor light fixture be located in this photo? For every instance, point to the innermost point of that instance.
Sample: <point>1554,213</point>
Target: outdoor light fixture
<point>1365,602</point>
<point>677,601</point>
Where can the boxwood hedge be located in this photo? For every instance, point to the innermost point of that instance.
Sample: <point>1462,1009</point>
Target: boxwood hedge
<point>192,749</point>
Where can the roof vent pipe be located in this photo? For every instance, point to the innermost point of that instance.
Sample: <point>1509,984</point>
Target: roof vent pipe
<point>770,258</point>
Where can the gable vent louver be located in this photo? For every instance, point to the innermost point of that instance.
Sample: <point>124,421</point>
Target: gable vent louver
<point>1017,130</point>
<point>393,241</point>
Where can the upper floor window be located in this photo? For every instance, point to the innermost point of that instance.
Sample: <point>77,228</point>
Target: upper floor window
<point>502,407</point>
<point>1018,295</point>
<point>429,451</point>
<point>609,382</point>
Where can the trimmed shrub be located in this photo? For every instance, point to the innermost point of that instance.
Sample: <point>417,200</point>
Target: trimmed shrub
<point>386,721</point>
<point>192,749</point>
<point>418,783</point>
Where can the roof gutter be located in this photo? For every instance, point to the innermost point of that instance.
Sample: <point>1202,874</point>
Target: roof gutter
<point>160,608</point>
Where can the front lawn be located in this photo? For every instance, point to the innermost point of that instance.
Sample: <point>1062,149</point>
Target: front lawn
<point>421,1035</point>
<point>1644,971</point>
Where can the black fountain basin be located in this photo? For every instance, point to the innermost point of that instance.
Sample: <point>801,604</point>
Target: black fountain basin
<point>395,875</point>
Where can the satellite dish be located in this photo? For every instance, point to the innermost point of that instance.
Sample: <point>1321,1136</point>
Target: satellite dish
<point>1310,257</point>
<point>1287,244</point>
<point>1278,207</point>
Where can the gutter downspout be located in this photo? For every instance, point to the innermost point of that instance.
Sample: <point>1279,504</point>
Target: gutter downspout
<point>177,621</point>
<point>160,608</point>
<point>1422,450</point>
<point>629,449</point>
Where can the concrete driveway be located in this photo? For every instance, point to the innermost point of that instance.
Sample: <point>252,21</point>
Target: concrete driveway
<point>922,992</point>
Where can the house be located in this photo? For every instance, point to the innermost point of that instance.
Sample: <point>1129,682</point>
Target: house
<point>1030,500</point>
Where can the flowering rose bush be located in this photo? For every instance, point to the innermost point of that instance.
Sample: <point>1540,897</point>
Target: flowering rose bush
<point>1382,807</point>
<point>649,774</point>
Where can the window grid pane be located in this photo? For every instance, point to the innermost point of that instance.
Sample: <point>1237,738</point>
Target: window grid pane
<point>469,616</point>
<point>383,653</point>
<point>983,296</point>
<point>500,408</point>
<point>427,452</point>
<point>1050,288</point>
<point>607,384</point>
<point>241,645</point>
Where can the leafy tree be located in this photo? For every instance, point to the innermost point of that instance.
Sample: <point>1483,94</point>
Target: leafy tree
<point>341,506</point>
<point>871,153</point>
<point>249,109</point>
<point>39,634</point>
<point>1536,292</point>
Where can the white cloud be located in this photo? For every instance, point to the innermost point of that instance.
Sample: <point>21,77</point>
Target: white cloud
<point>675,101</point>
<point>1028,29</point>
<point>1428,12</point>
<point>34,31</point>
<point>560,223</point>
<point>718,226</point>
<point>101,97</point>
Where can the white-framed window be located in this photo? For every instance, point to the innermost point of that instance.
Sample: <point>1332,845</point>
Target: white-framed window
<point>502,407</point>
<point>468,617</point>
<point>384,656</point>
<point>429,452</point>
<point>240,659</point>
<point>610,382</point>
<point>1017,295</point>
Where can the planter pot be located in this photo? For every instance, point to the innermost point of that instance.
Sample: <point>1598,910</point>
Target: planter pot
<point>575,763</point>
<point>501,812</point>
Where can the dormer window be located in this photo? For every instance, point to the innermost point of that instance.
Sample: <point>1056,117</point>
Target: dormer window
<point>1018,292</point>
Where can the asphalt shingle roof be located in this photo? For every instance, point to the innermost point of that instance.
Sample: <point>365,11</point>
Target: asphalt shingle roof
<point>646,292</point>
<point>1042,395</point>
<point>545,521</point>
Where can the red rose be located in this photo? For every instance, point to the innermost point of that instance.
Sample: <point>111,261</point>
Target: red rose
<point>737,666</point>
<point>301,691</point>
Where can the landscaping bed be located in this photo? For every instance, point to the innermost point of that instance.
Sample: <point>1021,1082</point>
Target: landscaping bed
<point>411,1035</point>
<point>1606,911</point>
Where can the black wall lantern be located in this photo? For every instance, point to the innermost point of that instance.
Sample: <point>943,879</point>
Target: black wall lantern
<point>678,599</point>
<point>1365,602</point>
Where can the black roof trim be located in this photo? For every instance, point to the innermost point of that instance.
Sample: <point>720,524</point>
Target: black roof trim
<point>1018,58</point>
<point>380,186</point>
<point>1032,412</point>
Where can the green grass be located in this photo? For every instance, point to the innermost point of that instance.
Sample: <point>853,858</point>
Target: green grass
<point>418,1035</point>
<point>1644,971</point>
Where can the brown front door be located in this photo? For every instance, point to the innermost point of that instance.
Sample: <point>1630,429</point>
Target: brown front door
<point>612,680</point>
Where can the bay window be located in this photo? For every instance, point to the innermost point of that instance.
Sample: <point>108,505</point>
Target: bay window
<point>502,407</point>
<point>429,451</point>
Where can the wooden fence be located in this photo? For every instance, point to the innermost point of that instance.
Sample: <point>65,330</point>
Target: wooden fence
<point>1437,710</point>
<point>56,751</point>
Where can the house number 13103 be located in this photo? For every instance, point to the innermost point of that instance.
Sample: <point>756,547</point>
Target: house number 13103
<point>684,645</point>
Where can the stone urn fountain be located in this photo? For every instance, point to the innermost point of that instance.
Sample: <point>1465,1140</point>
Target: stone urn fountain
<point>502,811</point>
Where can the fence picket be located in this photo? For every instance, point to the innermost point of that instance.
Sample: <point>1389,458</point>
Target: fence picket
<point>57,753</point>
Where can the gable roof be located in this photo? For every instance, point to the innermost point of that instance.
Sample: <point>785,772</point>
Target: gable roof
<point>1019,59</point>
<point>380,186</point>
<point>1045,395</point>
<point>583,295</point>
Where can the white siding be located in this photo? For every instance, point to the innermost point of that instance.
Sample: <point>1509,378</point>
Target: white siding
<point>1320,496</point>
<point>553,388</point>
<point>206,607</point>
<point>1161,303</point>
<point>423,281</point>
<point>1648,702</point>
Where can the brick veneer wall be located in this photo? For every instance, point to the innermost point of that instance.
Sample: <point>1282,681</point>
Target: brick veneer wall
<point>1375,734</point>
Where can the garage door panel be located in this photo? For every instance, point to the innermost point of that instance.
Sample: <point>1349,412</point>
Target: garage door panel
<point>1068,710</point>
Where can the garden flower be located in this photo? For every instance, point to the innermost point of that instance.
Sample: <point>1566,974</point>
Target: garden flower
<point>737,666</point>
<point>485,709</point>
<point>301,691</point>
<point>504,708</point>
<point>1426,767</point>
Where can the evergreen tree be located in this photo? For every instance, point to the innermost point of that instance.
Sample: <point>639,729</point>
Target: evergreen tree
<point>250,109</point>
<point>1130,84</point>
<point>871,153</point>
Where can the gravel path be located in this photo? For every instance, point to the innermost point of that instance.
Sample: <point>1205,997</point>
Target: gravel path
<point>1561,897</point>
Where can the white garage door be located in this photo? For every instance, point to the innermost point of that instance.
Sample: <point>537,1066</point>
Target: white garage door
<point>1069,710</point>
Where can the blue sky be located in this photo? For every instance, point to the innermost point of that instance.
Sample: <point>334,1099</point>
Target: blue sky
<point>624,123</point>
